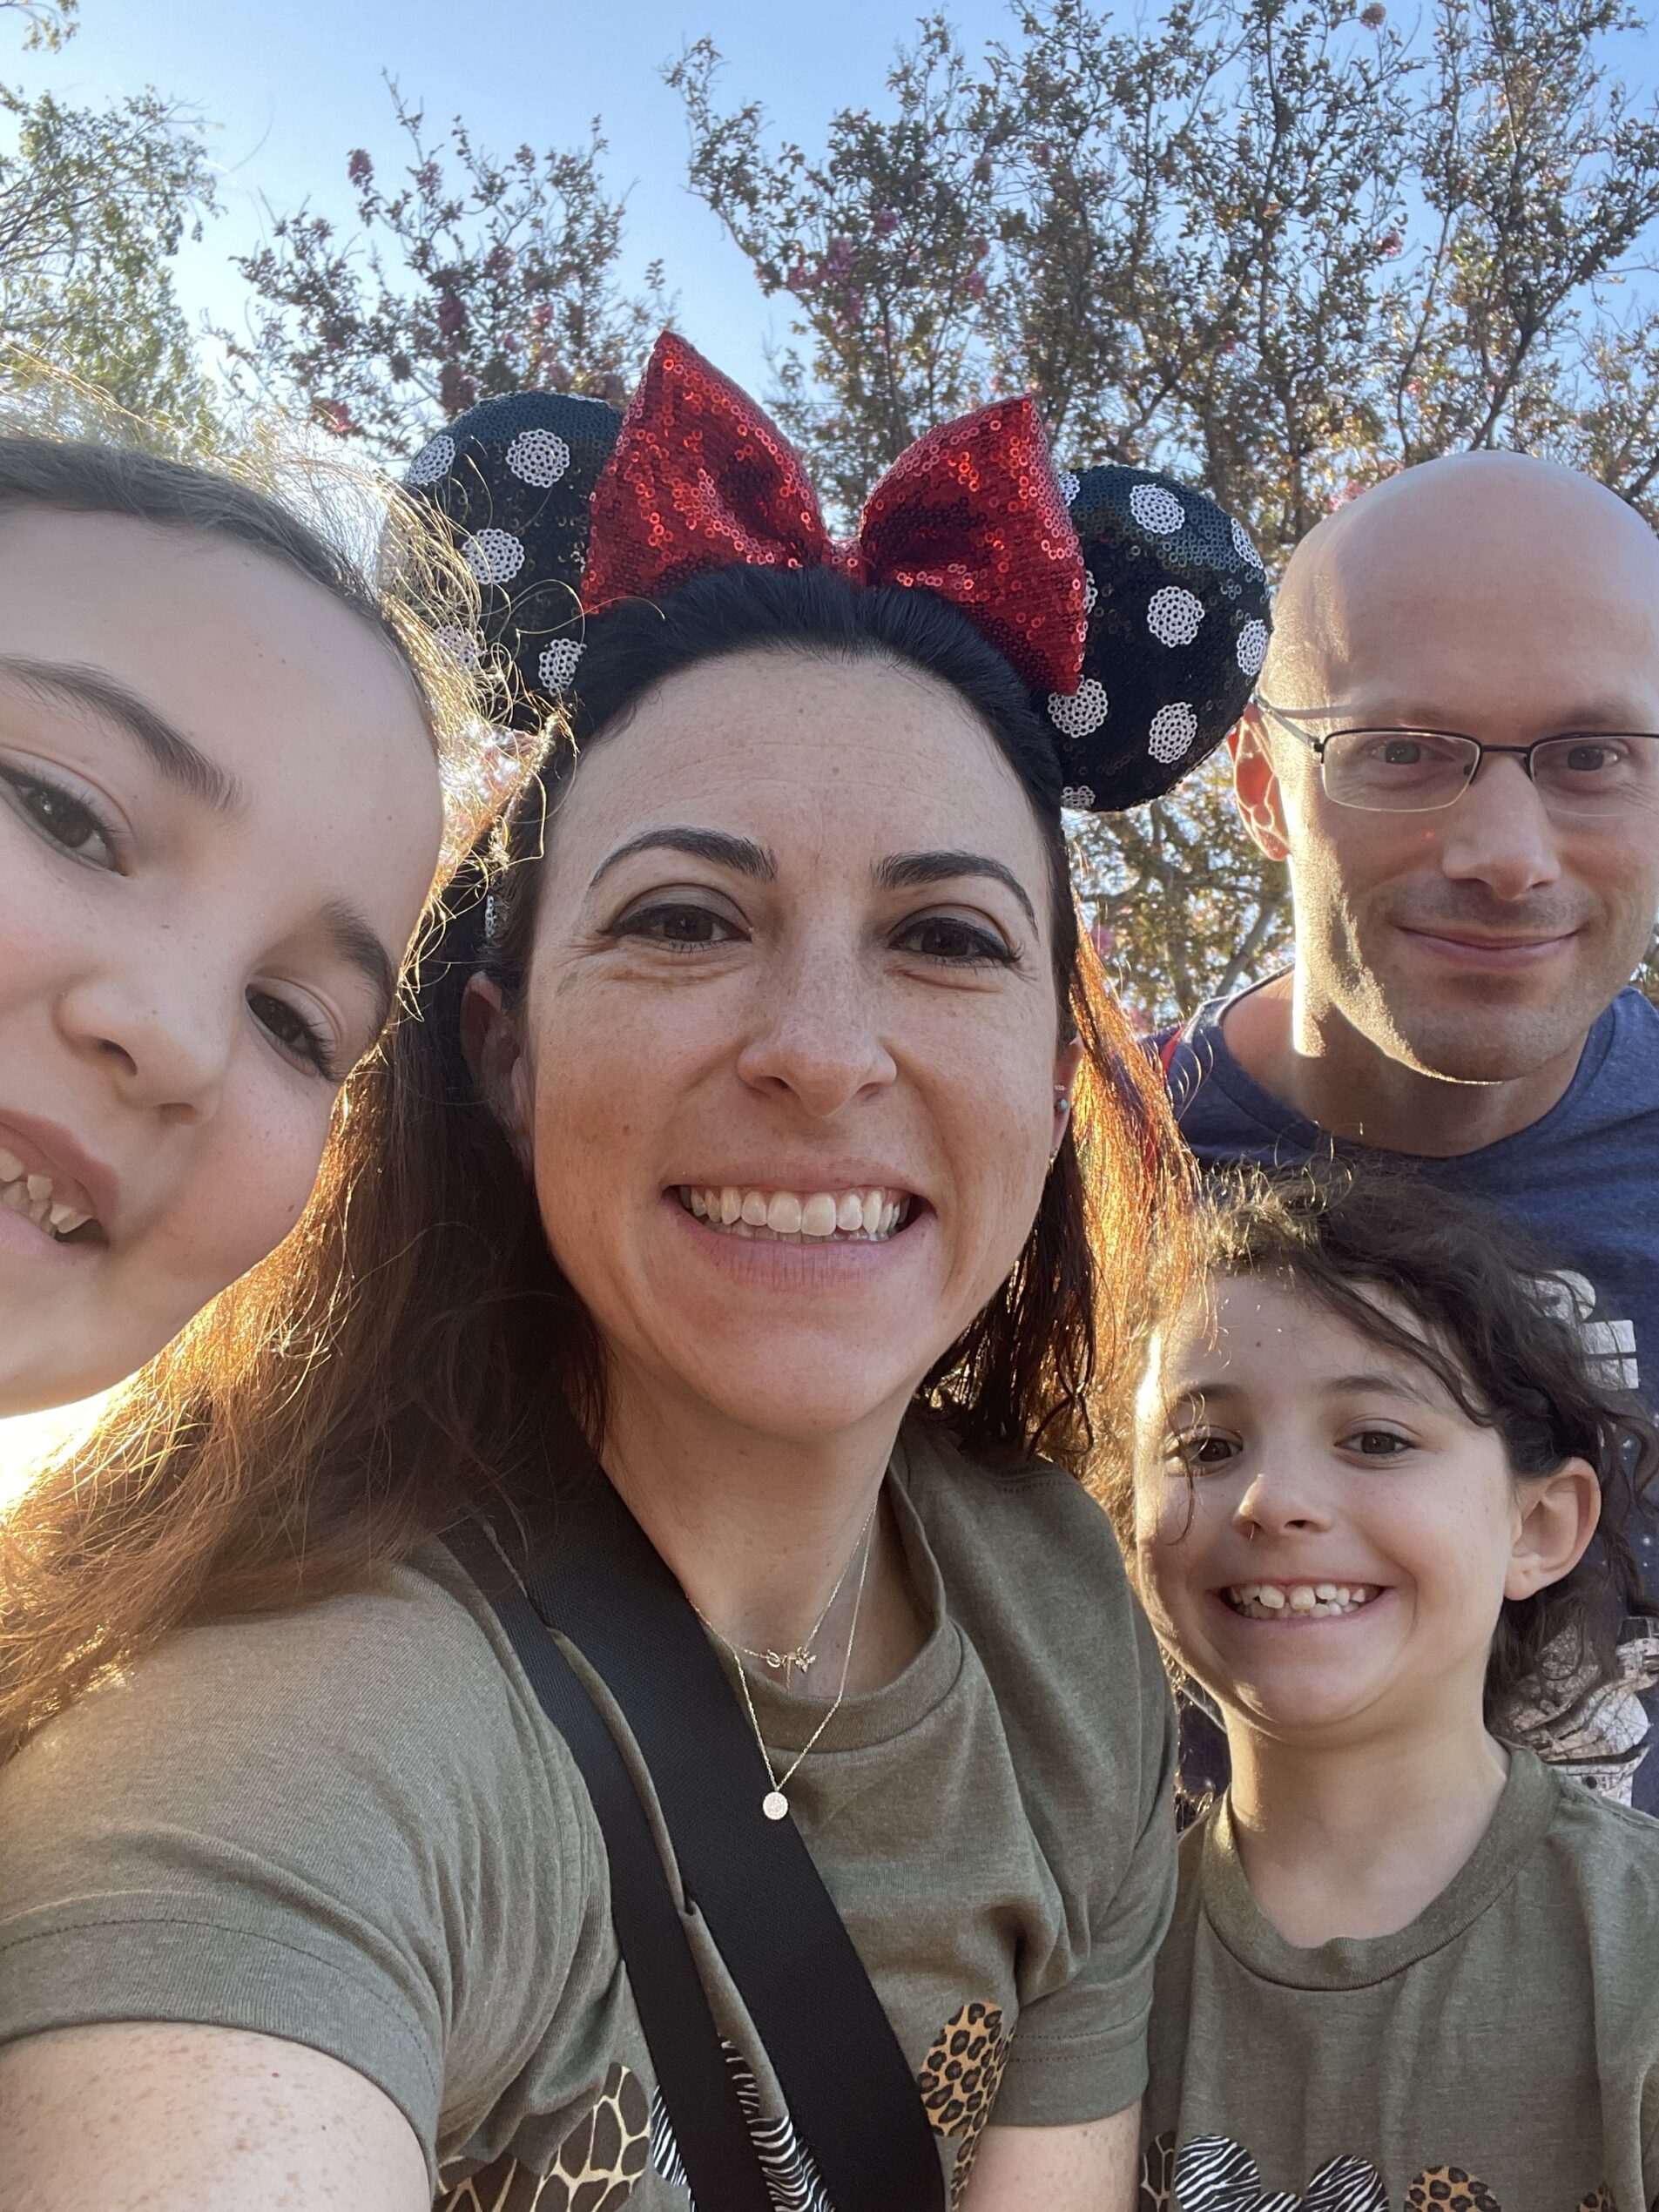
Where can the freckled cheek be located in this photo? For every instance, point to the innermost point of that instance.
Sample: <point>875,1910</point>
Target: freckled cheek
<point>238,1191</point>
<point>40,932</point>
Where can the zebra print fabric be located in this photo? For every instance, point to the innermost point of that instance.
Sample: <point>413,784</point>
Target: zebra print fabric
<point>786,2165</point>
<point>1214,2174</point>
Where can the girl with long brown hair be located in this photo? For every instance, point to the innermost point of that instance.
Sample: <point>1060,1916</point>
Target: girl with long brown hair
<point>769,1160</point>
<point>222,801</point>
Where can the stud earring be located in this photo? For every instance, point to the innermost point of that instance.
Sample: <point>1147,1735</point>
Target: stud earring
<point>1063,1106</point>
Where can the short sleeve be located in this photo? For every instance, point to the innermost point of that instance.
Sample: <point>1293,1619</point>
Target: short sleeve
<point>1080,2052</point>
<point>339,1826</point>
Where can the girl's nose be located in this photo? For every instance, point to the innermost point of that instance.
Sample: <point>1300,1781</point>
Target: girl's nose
<point>1282,1500</point>
<point>164,1038</point>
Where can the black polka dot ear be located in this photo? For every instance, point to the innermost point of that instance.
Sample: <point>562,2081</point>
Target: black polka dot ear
<point>512,478</point>
<point>1178,622</point>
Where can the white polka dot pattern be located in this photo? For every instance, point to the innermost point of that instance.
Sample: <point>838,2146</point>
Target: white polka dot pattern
<point>436,458</point>
<point>538,457</point>
<point>1079,713</point>
<point>1091,593</point>
<point>1070,485</point>
<point>1155,510</point>
<point>558,665</point>
<point>1252,647</point>
<point>1174,615</point>
<point>463,646</point>
<point>495,556</point>
<point>1080,796</point>
<point>1242,546</point>
<point>1173,731</point>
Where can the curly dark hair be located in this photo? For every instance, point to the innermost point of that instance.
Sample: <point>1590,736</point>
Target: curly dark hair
<point>1507,1352</point>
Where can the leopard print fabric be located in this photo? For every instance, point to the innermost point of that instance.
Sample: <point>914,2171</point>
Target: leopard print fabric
<point>1448,2188</point>
<point>960,2078</point>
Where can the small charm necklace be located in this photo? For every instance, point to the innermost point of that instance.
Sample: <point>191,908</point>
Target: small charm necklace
<point>775,1804</point>
<point>802,1656</point>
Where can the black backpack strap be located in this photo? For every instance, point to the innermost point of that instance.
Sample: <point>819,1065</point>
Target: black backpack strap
<point>722,2167</point>
<point>845,2079</point>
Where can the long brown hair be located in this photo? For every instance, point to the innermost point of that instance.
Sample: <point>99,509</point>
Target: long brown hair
<point>412,1348</point>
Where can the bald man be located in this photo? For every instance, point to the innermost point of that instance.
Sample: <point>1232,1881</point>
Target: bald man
<point>1452,752</point>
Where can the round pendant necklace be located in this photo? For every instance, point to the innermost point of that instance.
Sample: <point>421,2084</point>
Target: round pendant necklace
<point>775,1804</point>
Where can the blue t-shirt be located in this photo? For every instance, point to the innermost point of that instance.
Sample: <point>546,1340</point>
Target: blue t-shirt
<point>1584,1181</point>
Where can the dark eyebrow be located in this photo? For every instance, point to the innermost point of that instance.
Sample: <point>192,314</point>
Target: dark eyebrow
<point>93,690</point>
<point>910,870</point>
<point>353,940</point>
<point>1387,1379</point>
<point>741,854</point>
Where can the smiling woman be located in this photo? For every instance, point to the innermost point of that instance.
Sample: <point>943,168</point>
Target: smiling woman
<point>761,1200</point>
<point>220,808</point>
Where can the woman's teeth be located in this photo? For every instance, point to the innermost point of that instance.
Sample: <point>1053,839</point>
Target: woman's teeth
<point>1315,1600</point>
<point>32,1196</point>
<point>868,1216</point>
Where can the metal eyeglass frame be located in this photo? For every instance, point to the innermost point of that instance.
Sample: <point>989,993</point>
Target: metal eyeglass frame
<point>1524,753</point>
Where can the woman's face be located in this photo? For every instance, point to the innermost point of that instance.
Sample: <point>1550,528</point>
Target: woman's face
<point>790,1041</point>
<point>219,816</point>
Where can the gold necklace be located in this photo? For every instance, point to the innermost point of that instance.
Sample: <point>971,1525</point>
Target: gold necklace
<point>802,1656</point>
<point>775,1804</point>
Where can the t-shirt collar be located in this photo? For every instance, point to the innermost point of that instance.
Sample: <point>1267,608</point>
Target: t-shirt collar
<point>1524,1811</point>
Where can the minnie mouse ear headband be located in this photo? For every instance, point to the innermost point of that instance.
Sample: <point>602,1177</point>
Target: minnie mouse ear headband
<point>1133,607</point>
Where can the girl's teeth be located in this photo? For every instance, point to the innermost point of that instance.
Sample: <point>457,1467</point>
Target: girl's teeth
<point>1324,1601</point>
<point>31,1196</point>
<point>816,1214</point>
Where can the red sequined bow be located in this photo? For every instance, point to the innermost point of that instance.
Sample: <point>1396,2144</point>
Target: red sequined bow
<point>700,479</point>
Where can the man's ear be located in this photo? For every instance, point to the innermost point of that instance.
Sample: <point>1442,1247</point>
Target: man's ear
<point>493,1050</point>
<point>1256,790</point>
<point>1557,1515</point>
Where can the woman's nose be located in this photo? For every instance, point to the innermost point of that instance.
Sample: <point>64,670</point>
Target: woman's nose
<point>816,1036</point>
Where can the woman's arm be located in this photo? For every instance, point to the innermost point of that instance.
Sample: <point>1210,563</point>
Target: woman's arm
<point>1091,2167</point>
<point>126,2117</point>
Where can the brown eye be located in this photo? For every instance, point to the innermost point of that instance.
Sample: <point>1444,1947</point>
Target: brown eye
<point>959,943</point>
<point>68,822</point>
<point>679,925</point>
<point>291,1030</point>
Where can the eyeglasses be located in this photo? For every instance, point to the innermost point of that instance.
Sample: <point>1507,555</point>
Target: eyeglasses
<point>1592,772</point>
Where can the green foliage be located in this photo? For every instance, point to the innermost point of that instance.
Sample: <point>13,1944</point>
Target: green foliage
<point>46,23</point>
<point>1273,245</point>
<point>94,204</point>
<point>482,277</point>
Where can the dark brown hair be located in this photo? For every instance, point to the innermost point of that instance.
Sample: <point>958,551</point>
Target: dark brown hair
<point>1494,1328</point>
<point>413,1349</point>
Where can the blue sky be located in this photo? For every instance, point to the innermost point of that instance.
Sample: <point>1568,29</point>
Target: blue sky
<point>290,88</point>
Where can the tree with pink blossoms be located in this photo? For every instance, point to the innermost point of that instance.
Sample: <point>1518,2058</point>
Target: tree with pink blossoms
<point>465,274</point>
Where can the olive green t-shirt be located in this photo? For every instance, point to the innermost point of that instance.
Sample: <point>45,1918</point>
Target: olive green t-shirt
<point>353,1827</point>
<point>1499,2054</point>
